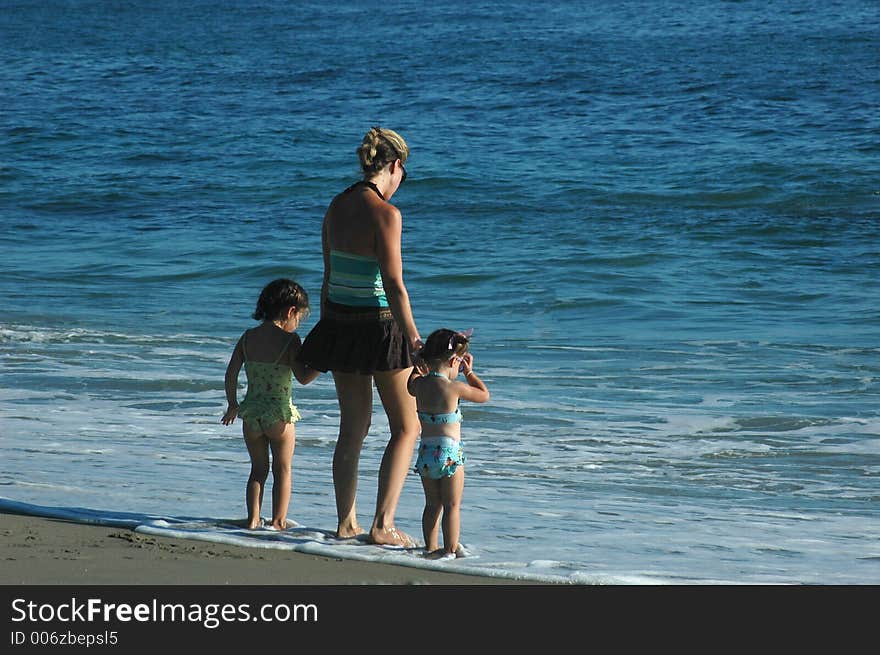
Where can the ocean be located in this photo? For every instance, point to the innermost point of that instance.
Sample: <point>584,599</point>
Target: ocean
<point>661,219</point>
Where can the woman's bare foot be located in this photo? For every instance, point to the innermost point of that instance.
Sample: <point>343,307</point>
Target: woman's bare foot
<point>348,531</point>
<point>391,537</point>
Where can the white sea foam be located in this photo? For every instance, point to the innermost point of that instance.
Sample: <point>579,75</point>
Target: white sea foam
<point>297,538</point>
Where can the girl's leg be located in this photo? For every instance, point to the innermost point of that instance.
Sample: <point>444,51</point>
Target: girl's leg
<point>431,514</point>
<point>355,395</point>
<point>451,491</point>
<point>258,449</point>
<point>404,424</point>
<point>282,440</point>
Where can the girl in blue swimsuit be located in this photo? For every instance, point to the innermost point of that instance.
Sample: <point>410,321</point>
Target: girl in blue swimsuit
<point>440,461</point>
<point>268,355</point>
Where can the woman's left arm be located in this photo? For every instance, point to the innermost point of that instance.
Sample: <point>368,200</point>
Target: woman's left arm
<point>325,250</point>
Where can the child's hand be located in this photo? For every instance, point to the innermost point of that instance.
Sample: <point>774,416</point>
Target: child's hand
<point>467,363</point>
<point>229,416</point>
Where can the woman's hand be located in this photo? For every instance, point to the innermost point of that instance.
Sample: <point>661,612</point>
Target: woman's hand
<point>417,346</point>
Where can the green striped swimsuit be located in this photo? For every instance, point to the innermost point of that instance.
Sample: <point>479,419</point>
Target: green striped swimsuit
<point>355,281</point>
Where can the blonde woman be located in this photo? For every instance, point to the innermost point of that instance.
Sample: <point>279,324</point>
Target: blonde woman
<point>366,334</point>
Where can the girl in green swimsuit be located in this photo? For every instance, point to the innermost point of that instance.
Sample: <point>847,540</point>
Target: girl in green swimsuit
<point>268,355</point>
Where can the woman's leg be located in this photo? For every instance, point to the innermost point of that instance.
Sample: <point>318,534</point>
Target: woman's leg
<point>258,449</point>
<point>355,395</point>
<point>404,424</point>
<point>282,440</point>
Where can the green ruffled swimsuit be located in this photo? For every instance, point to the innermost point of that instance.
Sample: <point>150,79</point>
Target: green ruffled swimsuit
<point>268,399</point>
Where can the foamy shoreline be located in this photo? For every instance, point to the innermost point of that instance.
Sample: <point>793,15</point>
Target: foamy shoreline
<point>48,551</point>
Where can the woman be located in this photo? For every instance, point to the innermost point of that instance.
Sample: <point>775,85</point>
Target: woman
<point>366,332</point>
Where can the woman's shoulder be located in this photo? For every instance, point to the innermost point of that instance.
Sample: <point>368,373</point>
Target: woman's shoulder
<point>351,226</point>
<point>387,213</point>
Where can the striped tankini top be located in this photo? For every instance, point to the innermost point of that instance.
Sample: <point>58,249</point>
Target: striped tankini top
<point>355,280</point>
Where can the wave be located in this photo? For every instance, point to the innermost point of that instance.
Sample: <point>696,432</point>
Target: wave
<point>24,333</point>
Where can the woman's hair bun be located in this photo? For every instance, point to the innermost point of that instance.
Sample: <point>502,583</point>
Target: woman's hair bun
<point>380,147</point>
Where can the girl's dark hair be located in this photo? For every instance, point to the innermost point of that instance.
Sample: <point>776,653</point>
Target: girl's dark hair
<point>277,296</point>
<point>444,343</point>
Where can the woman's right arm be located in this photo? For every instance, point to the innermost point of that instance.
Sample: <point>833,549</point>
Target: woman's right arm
<point>388,253</point>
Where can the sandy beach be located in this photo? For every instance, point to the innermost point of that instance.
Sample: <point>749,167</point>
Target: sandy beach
<point>43,551</point>
<point>54,564</point>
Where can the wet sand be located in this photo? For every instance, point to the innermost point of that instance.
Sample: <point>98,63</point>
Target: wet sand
<point>45,551</point>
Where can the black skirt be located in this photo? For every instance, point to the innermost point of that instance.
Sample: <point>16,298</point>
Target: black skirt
<point>356,340</point>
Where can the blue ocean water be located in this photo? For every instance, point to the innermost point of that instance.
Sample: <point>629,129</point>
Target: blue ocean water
<point>662,219</point>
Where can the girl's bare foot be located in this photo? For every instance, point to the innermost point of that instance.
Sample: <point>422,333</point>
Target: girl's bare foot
<point>442,553</point>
